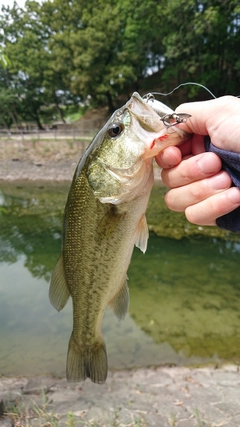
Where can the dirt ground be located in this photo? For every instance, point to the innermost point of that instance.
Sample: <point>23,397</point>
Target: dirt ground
<point>51,160</point>
<point>162,397</point>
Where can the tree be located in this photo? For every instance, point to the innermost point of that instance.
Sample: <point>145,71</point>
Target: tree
<point>201,40</point>
<point>26,44</point>
<point>99,51</point>
<point>102,47</point>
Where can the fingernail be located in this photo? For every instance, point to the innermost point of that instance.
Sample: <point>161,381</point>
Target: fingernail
<point>234,195</point>
<point>220,181</point>
<point>207,164</point>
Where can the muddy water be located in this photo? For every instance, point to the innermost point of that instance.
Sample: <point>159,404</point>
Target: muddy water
<point>185,291</point>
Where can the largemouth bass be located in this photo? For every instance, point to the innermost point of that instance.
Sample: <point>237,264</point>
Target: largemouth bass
<point>104,218</point>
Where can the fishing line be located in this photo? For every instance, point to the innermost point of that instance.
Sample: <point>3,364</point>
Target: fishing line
<point>184,84</point>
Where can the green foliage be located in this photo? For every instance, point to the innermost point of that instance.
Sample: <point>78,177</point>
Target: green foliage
<point>60,53</point>
<point>4,61</point>
<point>202,41</point>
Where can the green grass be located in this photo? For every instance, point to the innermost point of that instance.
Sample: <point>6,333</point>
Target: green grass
<point>73,117</point>
<point>23,415</point>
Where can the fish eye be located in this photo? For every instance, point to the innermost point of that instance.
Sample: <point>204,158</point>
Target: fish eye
<point>115,129</point>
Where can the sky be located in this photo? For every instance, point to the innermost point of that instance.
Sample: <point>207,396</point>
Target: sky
<point>10,2</point>
<point>21,3</point>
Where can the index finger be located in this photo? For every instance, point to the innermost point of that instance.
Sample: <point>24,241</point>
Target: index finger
<point>192,169</point>
<point>172,155</point>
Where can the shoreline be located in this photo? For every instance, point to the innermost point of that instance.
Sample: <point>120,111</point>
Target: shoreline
<point>27,172</point>
<point>41,161</point>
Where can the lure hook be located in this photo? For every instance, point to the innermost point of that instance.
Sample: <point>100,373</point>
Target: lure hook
<point>174,119</point>
<point>171,118</point>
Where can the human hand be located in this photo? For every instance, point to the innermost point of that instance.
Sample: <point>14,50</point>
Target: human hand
<point>198,185</point>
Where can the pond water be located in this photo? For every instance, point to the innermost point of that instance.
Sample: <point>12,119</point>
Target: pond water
<point>185,294</point>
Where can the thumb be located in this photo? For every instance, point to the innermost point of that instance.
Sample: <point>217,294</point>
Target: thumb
<point>207,117</point>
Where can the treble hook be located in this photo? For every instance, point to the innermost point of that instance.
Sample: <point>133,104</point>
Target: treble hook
<point>174,119</point>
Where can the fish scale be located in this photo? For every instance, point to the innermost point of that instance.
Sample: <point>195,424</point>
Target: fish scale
<point>103,219</point>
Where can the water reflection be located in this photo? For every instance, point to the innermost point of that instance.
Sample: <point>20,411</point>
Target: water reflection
<point>31,225</point>
<point>188,294</point>
<point>185,294</point>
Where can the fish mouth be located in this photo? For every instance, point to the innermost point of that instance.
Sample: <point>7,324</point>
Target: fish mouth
<point>148,124</point>
<point>144,114</point>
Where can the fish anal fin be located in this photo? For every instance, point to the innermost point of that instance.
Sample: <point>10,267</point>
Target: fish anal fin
<point>58,291</point>
<point>120,302</point>
<point>87,362</point>
<point>142,234</point>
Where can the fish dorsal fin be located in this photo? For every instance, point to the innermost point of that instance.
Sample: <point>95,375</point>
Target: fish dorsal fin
<point>58,291</point>
<point>142,234</point>
<point>120,302</point>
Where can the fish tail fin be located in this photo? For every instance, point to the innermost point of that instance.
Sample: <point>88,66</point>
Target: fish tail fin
<point>87,362</point>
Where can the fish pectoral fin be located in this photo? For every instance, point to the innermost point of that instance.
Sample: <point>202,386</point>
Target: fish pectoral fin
<point>120,302</point>
<point>142,234</point>
<point>58,291</point>
<point>109,222</point>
